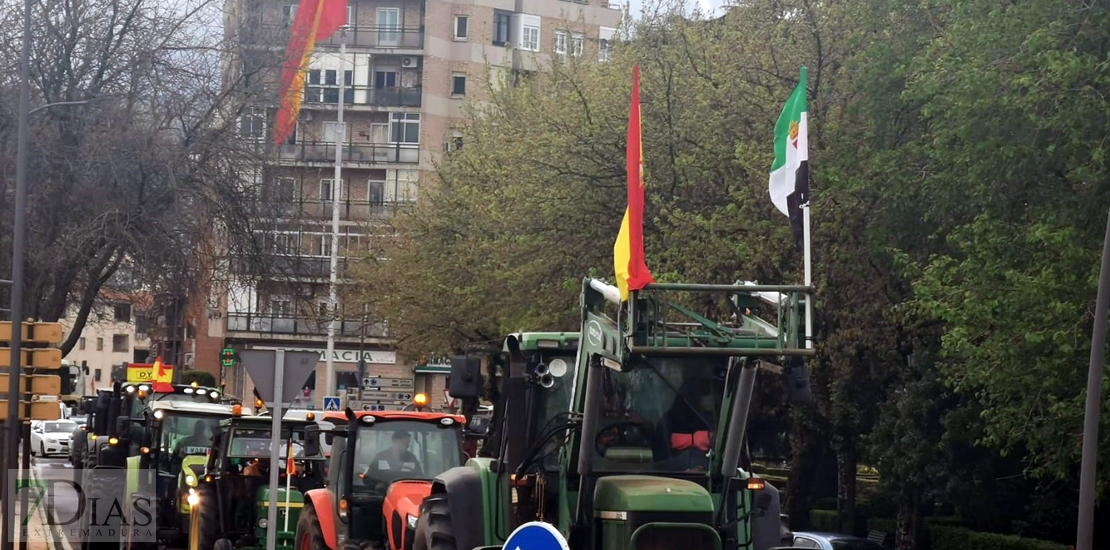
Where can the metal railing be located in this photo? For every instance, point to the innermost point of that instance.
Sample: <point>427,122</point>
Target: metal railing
<point>393,96</point>
<point>353,152</point>
<point>308,267</point>
<point>374,36</point>
<point>268,323</point>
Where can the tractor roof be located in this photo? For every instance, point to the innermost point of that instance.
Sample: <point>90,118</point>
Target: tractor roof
<point>265,422</point>
<point>190,407</point>
<point>419,416</point>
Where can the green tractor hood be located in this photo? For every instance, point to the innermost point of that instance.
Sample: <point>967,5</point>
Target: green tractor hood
<point>636,511</point>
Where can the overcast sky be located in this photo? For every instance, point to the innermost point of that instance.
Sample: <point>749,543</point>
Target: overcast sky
<point>706,6</point>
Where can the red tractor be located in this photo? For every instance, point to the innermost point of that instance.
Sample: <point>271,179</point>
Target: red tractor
<point>381,469</point>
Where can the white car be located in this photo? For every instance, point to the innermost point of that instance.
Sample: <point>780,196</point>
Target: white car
<point>51,437</point>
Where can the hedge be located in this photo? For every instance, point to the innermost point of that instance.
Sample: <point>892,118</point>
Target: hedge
<point>944,534</point>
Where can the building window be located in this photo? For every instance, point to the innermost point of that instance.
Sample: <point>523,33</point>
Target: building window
<point>99,344</point>
<point>604,50</point>
<point>325,245</point>
<point>120,343</point>
<point>326,191</point>
<point>389,27</point>
<point>576,43</point>
<point>561,44</point>
<point>530,39</point>
<point>347,23</point>
<point>252,125</point>
<point>461,22</point>
<point>81,343</point>
<point>458,85</point>
<point>333,132</point>
<point>285,244</point>
<point>123,313</point>
<point>326,89</point>
<point>502,22</point>
<point>376,192</point>
<point>454,143</point>
<point>288,14</point>
<point>279,307</point>
<point>404,128</point>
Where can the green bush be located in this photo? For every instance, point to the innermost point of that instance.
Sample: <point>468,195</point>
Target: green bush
<point>959,538</point>
<point>824,520</point>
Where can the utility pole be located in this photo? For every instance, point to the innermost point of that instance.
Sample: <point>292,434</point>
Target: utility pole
<point>19,237</point>
<point>336,193</point>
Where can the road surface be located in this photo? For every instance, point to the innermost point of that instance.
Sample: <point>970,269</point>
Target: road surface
<point>66,504</point>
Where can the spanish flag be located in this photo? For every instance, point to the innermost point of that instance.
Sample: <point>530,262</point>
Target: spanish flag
<point>161,376</point>
<point>628,252</point>
<point>315,20</point>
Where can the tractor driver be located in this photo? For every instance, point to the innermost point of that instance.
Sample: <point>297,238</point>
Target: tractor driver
<point>396,462</point>
<point>689,434</point>
<point>196,444</point>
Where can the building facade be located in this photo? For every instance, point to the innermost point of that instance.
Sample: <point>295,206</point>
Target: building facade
<point>116,333</point>
<point>409,68</point>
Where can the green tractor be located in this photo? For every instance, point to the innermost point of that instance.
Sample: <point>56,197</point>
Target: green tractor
<point>174,437</point>
<point>640,444</point>
<point>229,506</point>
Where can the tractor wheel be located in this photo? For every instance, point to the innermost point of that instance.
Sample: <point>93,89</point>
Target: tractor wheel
<point>434,530</point>
<point>204,522</point>
<point>309,535</point>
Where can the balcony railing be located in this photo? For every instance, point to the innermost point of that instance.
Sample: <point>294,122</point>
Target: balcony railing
<point>353,152</point>
<point>383,37</point>
<point>306,267</point>
<point>267,323</point>
<point>395,96</point>
<point>317,209</point>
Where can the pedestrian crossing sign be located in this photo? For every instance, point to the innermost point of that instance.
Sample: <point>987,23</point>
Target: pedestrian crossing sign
<point>331,403</point>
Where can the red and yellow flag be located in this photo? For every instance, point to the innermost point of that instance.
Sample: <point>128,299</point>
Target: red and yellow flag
<point>161,376</point>
<point>628,252</point>
<point>315,20</point>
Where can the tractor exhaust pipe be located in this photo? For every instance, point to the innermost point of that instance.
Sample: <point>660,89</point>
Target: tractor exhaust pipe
<point>610,292</point>
<point>739,418</point>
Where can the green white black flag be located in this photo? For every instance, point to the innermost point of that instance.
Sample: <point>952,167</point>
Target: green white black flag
<point>789,184</point>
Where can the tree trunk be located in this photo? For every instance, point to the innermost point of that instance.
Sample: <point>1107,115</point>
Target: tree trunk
<point>846,486</point>
<point>910,531</point>
<point>805,464</point>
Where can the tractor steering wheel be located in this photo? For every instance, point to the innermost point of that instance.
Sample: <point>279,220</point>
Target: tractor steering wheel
<point>628,433</point>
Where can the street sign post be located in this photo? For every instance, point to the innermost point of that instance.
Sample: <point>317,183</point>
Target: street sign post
<point>377,383</point>
<point>536,535</point>
<point>227,357</point>
<point>331,403</point>
<point>278,375</point>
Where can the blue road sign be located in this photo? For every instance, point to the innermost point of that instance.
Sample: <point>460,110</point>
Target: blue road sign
<point>331,403</point>
<point>536,535</point>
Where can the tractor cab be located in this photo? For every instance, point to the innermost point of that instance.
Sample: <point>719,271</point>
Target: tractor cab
<point>175,441</point>
<point>231,499</point>
<point>381,467</point>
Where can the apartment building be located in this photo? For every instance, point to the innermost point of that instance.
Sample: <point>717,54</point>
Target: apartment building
<point>409,67</point>
<point>115,333</point>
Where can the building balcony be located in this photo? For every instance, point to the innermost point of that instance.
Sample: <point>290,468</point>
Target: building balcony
<point>269,35</point>
<point>290,266</point>
<point>375,37</point>
<point>323,153</point>
<point>355,97</point>
<point>290,325</point>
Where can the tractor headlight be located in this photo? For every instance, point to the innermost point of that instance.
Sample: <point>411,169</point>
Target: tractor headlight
<point>194,499</point>
<point>191,480</point>
<point>262,523</point>
<point>158,415</point>
<point>411,521</point>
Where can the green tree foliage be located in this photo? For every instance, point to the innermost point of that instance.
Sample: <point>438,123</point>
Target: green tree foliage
<point>958,151</point>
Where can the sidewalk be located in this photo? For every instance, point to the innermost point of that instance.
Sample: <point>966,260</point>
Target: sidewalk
<point>36,530</point>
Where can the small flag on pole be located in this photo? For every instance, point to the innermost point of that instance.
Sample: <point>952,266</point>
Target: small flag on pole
<point>163,377</point>
<point>789,184</point>
<point>628,251</point>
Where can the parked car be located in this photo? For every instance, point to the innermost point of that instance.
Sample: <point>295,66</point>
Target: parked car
<point>51,437</point>
<point>832,541</point>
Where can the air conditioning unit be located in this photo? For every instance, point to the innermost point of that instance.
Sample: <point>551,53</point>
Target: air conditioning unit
<point>409,61</point>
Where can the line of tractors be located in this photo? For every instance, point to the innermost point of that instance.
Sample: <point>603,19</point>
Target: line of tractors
<point>629,434</point>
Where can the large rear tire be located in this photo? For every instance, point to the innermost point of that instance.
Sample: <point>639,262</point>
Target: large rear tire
<point>434,530</point>
<point>204,521</point>
<point>309,536</point>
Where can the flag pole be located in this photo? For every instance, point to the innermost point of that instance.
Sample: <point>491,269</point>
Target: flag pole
<point>336,193</point>
<point>808,276</point>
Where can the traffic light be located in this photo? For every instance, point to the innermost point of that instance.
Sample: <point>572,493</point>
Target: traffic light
<point>227,357</point>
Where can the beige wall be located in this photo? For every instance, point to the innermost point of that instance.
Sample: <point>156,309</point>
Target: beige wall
<point>102,327</point>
